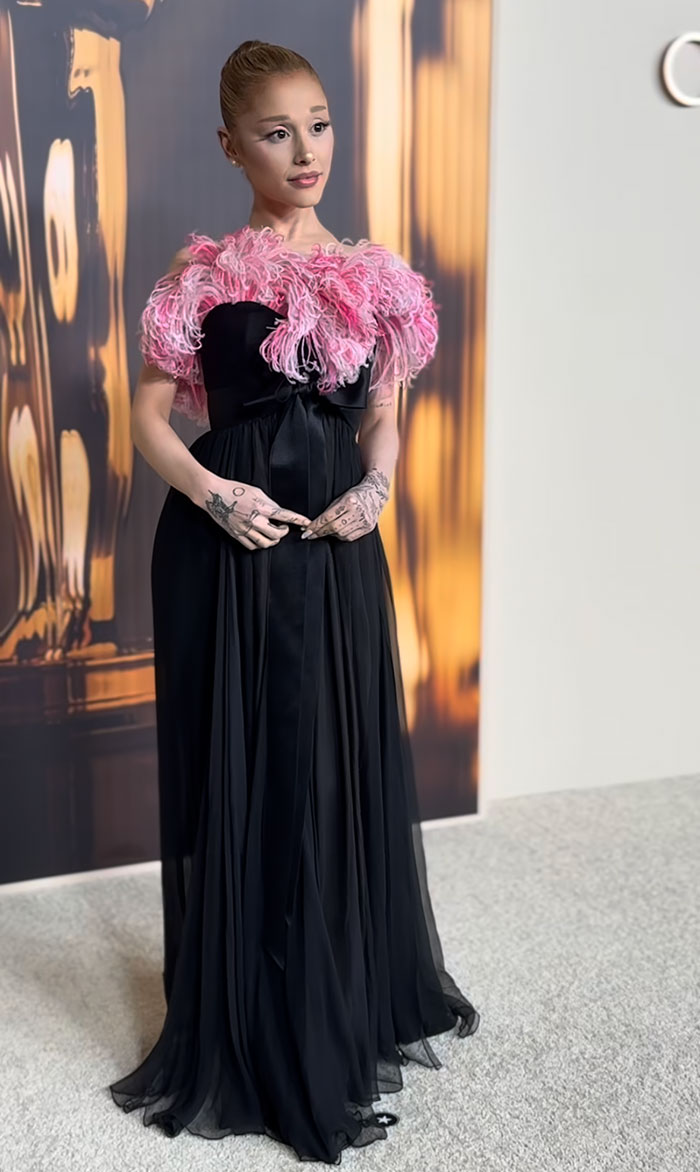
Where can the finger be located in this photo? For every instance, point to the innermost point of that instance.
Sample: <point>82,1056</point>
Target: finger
<point>337,519</point>
<point>347,526</point>
<point>260,530</point>
<point>357,530</point>
<point>320,531</point>
<point>289,515</point>
<point>264,542</point>
<point>256,540</point>
<point>262,524</point>
<point>315,526</point>
<point>326,529</point>
<point>251,537</point>
<point>325,523</point>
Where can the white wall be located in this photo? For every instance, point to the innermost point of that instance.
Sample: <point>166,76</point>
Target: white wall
<point>591,619</point>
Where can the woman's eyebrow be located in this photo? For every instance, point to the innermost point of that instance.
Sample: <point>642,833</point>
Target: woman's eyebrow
<point>285,118</point>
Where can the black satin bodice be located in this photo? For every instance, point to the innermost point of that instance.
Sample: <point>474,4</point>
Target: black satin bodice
<point>238,380</point>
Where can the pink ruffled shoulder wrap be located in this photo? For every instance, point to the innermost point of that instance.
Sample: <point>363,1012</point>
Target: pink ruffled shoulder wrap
<point>339,304</point>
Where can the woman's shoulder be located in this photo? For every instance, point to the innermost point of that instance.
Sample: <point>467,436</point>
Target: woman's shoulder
<point>197,246</point>
<point>182,257</point>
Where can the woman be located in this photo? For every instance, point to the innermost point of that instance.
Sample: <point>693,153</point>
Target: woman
<point>302,962</point>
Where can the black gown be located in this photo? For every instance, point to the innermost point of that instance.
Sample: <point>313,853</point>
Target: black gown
<point>302,964</point>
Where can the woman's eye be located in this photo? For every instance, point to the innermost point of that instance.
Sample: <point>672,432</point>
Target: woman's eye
<point>281,130</point>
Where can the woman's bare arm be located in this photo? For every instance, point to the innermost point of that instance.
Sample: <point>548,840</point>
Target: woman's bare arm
<point>151,432</point>
<point>158,442</point>
<point>378,438</point>
<point>243,510</point>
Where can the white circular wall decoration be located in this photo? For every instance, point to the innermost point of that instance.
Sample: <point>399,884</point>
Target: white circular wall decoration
<point>667,67</point>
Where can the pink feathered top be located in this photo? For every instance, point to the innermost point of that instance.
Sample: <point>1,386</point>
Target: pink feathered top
<point>340,305</point>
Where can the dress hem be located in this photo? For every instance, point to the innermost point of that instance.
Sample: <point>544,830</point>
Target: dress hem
<point>369,1131</point>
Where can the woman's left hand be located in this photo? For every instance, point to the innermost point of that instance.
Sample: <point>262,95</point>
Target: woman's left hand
<point>355,512</point>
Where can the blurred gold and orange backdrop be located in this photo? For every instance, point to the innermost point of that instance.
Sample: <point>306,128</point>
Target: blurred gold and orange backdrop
<point>108,157</point>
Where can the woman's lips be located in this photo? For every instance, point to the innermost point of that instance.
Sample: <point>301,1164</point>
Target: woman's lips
<point>303,181</point>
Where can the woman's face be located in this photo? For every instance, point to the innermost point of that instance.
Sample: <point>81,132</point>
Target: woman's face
<point>286,133</point>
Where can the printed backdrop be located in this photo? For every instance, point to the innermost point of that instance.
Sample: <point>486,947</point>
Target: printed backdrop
<point>108,158</point>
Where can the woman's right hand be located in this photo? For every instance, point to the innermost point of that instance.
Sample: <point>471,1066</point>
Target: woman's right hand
<point>247,513</point>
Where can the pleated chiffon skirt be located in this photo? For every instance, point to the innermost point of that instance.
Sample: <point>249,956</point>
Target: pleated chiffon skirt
<point>302,964</point>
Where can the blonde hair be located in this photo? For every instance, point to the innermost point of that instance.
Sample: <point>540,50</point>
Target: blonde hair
<point>250,65</point>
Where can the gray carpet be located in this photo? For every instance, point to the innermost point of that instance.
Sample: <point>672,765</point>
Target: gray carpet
<point>572,920</point>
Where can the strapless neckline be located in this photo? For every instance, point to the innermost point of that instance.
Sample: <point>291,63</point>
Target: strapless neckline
<point>341,307</point>
<point>329,248</point>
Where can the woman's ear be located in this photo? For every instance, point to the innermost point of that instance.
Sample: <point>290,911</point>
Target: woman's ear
<point>225,140</point>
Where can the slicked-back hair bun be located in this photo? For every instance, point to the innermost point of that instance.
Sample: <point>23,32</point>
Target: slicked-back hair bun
<point>251,64</point>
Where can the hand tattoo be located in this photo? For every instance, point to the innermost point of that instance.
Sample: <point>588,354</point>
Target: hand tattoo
<point>223,513</point>
<point>355,512</point>
<point>218,508</point>
<point>252,517</point>
<point>377,480</point>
